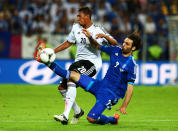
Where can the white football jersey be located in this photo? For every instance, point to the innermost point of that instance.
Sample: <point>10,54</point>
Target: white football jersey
<point>84,49</point>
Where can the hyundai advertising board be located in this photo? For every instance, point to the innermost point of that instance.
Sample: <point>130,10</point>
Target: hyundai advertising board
<point>32,72</point>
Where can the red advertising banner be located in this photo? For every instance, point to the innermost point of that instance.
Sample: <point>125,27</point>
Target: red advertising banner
<point>16,46</point>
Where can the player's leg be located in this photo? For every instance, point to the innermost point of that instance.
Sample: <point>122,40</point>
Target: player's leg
<point>71,103</point>
<point>62,88</point>
<point>86,83</point>
<point>82,80</point>
<point>68,92</point>
<point>104,100</point>
<point>66,75</point>
<point>63,72</point>
<point>70,96</point>
<point>83,84</point>
<point>83,67</point>
<point>95,115</point>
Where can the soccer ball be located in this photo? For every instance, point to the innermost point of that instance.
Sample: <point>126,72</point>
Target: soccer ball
<point>47,55</point>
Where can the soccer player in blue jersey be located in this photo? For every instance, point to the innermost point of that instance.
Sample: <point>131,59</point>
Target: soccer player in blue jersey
<point>118,81</point>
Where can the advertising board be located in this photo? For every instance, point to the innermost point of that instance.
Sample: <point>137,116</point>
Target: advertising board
<point>33,72</point>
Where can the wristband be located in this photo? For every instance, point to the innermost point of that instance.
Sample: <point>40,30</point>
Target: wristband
<point>90,37</point>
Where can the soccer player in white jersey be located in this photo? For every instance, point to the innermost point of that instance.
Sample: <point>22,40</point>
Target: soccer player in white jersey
<point>88,61</point>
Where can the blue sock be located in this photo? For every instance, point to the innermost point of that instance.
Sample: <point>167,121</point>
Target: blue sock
<point>112,120</point>
<point>106,119</point>
<point>59,71</point>
<point>102,120</point>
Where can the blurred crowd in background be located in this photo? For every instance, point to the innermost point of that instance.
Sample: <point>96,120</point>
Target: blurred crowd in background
<point>118,17</point>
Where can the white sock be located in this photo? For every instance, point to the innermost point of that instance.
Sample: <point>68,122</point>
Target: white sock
<point>76,108</point>
<point>63,93</point>
<point>70,98</point>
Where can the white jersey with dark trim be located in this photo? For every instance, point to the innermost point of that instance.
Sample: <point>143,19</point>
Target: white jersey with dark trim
<point>84,49</point>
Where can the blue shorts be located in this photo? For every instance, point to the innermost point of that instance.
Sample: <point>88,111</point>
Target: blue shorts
<point>105,98</point>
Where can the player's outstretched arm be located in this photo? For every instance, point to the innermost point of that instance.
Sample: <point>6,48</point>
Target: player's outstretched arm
<point>127,99</point>
<point>93,42</point>
<point>111,40</point>
<point>63,46</point>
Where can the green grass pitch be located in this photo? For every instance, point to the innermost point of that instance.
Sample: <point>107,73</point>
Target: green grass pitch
<point>31,108</point>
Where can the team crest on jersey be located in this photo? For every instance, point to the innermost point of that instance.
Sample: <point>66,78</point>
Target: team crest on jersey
<point>78,32</point>
<point>121,70</point>
<point>116,54</point>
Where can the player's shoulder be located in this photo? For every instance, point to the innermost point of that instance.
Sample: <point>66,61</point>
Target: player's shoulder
<point>76,25</point>
<point>112,48</point>
<point>99,27</point>
<point>118,48</point>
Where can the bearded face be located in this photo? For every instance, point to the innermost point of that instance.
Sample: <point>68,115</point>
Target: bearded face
<point>127,47</point>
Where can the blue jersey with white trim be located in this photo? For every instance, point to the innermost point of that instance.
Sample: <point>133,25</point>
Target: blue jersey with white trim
<point>121,70</point>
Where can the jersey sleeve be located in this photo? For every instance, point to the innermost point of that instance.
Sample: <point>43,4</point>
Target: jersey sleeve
<point>107,49</point>
<point>132,74</point>
<point>102,41</point>
<point>71,37</point>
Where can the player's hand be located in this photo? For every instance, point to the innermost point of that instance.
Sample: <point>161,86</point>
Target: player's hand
<point>122,109</point>
<point>100,35</point>
<point>86,32</point>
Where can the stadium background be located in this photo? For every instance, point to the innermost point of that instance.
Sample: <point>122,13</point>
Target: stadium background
<point>24,22</point>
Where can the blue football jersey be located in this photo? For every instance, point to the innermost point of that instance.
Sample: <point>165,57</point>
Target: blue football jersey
<point>121,71</point>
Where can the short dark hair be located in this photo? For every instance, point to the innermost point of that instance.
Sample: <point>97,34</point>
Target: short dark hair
<point>86,10</point>
<point>137,42</point>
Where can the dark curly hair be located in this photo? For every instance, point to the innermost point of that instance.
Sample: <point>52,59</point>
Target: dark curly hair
<point>137,42</point>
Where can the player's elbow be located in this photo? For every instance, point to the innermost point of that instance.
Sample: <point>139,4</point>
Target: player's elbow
<point>91,120</point>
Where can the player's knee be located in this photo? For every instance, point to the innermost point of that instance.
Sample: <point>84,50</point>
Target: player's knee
<point>60,87</point>
<point>69,80</point>
<point>91,120</point>
<point>74,76</point>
